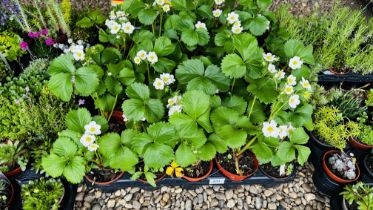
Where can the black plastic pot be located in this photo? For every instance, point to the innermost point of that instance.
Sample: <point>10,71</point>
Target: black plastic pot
<point>366,170</point>
<point>318,148</point>
<point>336,202</point>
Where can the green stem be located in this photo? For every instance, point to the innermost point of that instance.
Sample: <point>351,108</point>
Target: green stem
<point>234,80</point>
<point>247,146</point>
<point>112,109</point>
<point>273,114</point>
<point>160,24</point>
<point>252,107</point>
<point>153,29</point>
<point>238,171</point>
<point>147,66</point>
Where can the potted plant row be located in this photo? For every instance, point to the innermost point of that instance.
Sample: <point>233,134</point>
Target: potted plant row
<point>192,89</point>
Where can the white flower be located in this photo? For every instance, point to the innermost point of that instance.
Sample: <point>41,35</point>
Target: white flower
<point>158,84</point>
<point>112,15</point>
<point>306,84</point>
<point>152,57</point>
<point>200,25</point>
<point>121,14</point>
<point>125,119</point>
<point>174,109</point>
<point>282,169</point>
<point>272,68</point>
<point>283,131</point>
<point>143,119</point>
<point>216,12</point>
<point>92,147</point>
<point>109,23</point>
<point>166,8</point>
<point>288,89</point>
<point>142,54</point>
<point>92,128</point>
<point>237,23</point>
<point>291,80</point>
<point>114,29</point>
<point>128,28</point>
<point>159,2</point>
<point>167,78</point>
<point>87,139</point>
<point>270,129</point>
<point>173,101</point>
<point>80,42</point>
<point>232,18</point>
<point>295,63</point>
<point>79,55</point>
<point>290,128</point>
<point>76,48</point>
<point>269,57</point>
<point>137,60</point>
<point>280,75</point>
<point>294,101</point>
<point>219,2</point>
<point>237,29</point>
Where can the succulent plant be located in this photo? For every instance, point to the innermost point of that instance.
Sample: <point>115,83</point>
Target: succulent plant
<point>344,164</point>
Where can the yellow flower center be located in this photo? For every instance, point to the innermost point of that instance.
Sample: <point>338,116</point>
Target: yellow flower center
<point>295,62</point>
<point>92,129</point>
<point>270,129</point>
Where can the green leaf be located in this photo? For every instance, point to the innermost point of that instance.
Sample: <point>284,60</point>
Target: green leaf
<point>163,46</point>
<point>235,138</point>
<point>75,170</point>
<point>139,142</point>
<point>286,151</point>
<point>61,86</point>
<point>86,81</point>
<point>162,132</point>
<point>264,4</point>
<point>105,103</point>
<point>85,23</point>
<point>262,152</point>
<point>62,64</point>
<point>101,120</point>
<point>53,165</point>
<point>301,116</point>
<point>164,65</point>
<point>224,39</point>
<point>195,103</point>
<point>193,37</point>
<point>147,16</point>
<point>77,119</point>
<point>158,155</point>
<point>134,109</point>
<point>296,48</point>
<point>150,178</point>
<point>207,152</point>
<point>303,153</point>
<point>138,91</point>
<point>264,89</point>
<point>258,25</point>
<point>64,147</point>
<point>233,66</point>
<point>299,136</point>
<point>179,4</point>
<point>185,156</point>
<point>237,103</point>
<point>154,110</point>
<point>219,144</point>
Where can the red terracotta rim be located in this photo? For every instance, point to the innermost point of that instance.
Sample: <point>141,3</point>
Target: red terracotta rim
<point>103,183</point>
<point>359,145</point>
<point>332,175</point>
<point>13,172</point>
<point>191,179</point>
<point>235,177</point>
<point>156,180</point>
<point>11,195</point>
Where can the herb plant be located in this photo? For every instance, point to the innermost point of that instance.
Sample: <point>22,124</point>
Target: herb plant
<point>42,194</point>
<point>359,193</point>
<point>12,155</point>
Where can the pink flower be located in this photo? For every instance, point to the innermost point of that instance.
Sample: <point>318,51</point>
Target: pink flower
<point>36,34</point>
<point>31,34</point>
<point>23,45</point>
<point>44,31</point>
<point>49,42</point>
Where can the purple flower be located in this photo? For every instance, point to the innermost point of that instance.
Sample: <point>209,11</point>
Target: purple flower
<point>31,34</point>
<point>81,102</point>
<point>23,45</point>
<point>49,42</point>
<point>44,32</point>
<point>36,34</point>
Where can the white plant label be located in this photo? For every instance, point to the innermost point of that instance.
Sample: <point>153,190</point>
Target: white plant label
<point>216,180</point>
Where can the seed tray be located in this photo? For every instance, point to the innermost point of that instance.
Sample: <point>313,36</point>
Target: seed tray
<point>348,78</point>
<point>28,175</point>
<point>215,178</point>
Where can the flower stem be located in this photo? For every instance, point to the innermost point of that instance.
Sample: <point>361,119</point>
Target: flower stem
<point>247,146</point>
<point>252,107</point>
<point>160,24</point>
<point>234,80</point>
<point>112,109</point>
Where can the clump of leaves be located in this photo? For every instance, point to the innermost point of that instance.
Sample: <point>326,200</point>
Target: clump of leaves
<point>9,45</point>
<point>4,191</point>
<point>351,107</point>
<point>359,193</point>
<point>43,194</point>
<point>12,155</point>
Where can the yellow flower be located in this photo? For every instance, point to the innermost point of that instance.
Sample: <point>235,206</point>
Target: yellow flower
<point>174,168</point>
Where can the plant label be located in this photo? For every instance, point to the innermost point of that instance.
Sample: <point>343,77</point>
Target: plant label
<point>216,181</point>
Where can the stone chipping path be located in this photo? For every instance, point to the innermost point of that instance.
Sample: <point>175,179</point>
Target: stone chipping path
<point>299,194</point>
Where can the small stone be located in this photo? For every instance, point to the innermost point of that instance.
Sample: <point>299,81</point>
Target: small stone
<point>96,207</point>
<point>298,201</point>
<point>309,197</point>
<point>188,205</point>
<point>231,203</point>
<point>134,190</point>
<point>253,190</point>
<point>128,206</point>
<point>79,197</point>
<point>248,199</point>
<point>136,205</point>
<point>268,193</point>
<point>229,194</point>
<point>220,196</point>
<point>117,193</point>
<point>128,197</point>
<point>214,202</point>
<point>89,198</point>
<point>293,195</point>
<point>272,206</point>
<point>111,203</point>
<point>98,194</point>
<point>178,190</point>
<point>166,197</point>
<point>258,203</point>
<point>199,190</point>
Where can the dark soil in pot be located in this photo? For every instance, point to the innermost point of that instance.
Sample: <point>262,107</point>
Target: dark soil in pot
<point>273,171</point>
<point>198,170</point>
<point>116,123</point>
<point>352,206</point>
<point>246,162</point>
<point>103,175</point>
<point>140,167</point>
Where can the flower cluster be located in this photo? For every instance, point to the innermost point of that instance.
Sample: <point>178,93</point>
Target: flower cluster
<point>200,25</point>
<point>142,55</point>
<point>77,49</point>
<point>89,137</point>
<point>233,19</point>
<point>164,80</point>
<point>270,129</point>
<point>344,164</point>
<point>119,22</point>
<point>164,4</point>
<point>174,105</point>
<point>42,34</point>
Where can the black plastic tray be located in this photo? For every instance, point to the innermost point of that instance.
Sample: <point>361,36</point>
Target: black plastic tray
<point>28,175</point>
<point>216,178</point>
<point>349,77</point>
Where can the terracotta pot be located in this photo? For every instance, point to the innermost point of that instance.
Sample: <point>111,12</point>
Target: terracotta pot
<point>335,72</point>
<point>117,115</point>
<point>359,145</point>
<point>235,177</point>
<point>332,175</point>
<point>191,179</point>
<point>13,172</point>
<point>278,178</point>
<point>89,179</point>
<point>156,180</point>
